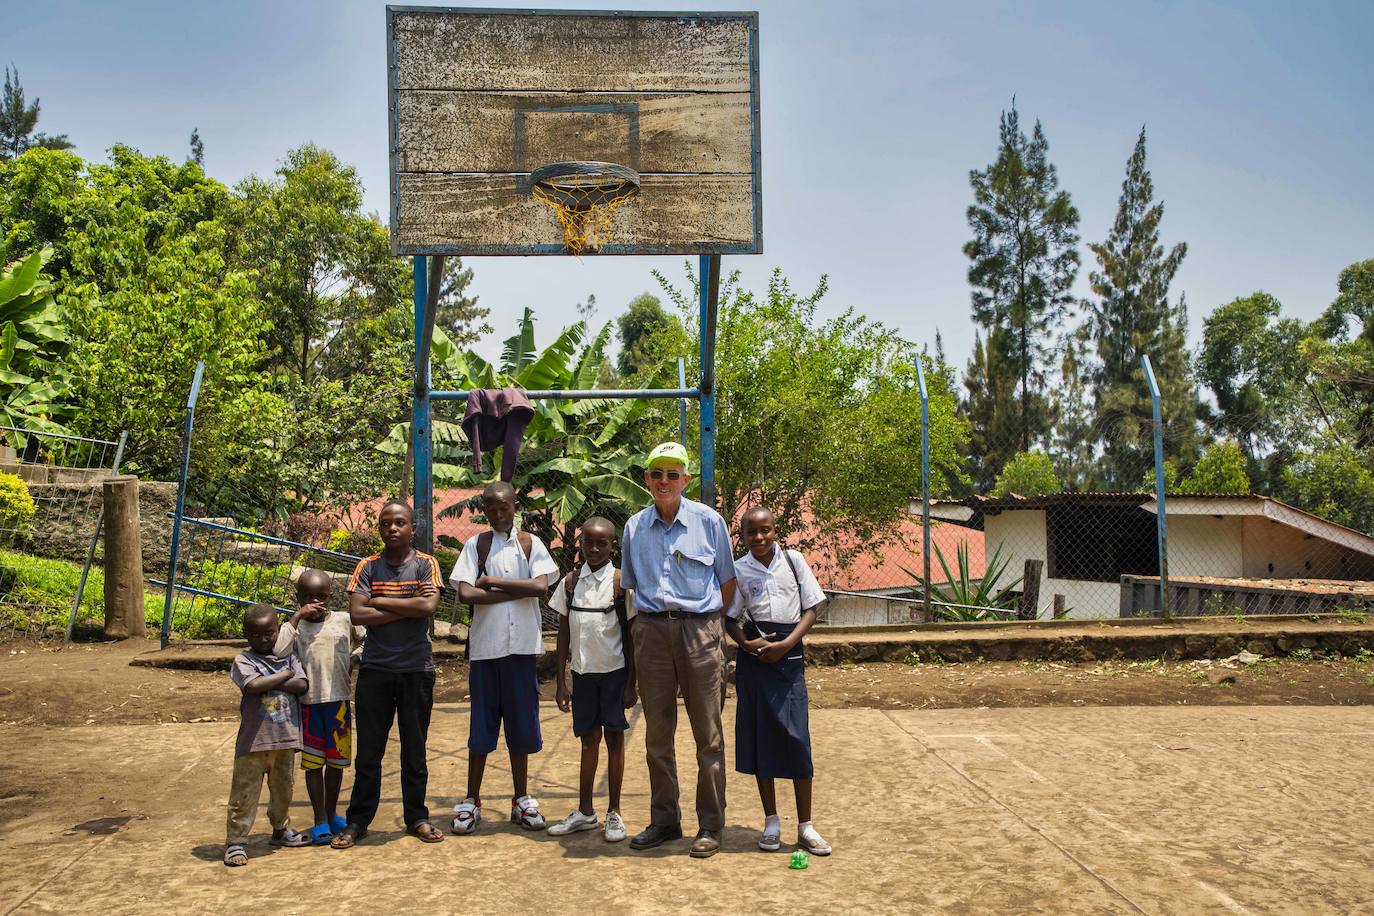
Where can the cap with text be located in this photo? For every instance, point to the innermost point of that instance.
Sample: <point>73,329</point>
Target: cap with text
<point>669,453</point>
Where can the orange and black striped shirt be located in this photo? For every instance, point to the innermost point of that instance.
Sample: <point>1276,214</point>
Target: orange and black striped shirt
<point>401,645</point>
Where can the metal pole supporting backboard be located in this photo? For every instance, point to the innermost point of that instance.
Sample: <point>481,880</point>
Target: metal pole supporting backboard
<point>1161,518</point>
<point>421,440</point>
<point>925,485</point>
<point>708,281</point>
<point>95,539</point>
<point>682,402</point>
<point>166,634</point>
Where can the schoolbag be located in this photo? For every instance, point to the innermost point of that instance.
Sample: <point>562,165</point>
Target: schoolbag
<point>622,616</point>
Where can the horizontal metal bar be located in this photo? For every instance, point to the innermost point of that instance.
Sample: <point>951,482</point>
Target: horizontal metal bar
<point>215,526</point>
<point>204,594</point>
<point>590,394</point>
<point>29,432</point>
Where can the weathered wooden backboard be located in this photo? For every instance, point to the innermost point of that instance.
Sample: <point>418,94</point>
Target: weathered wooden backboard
<point>480,97</point>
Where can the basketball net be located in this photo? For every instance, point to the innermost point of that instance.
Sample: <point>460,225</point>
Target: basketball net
<point>585,204</point>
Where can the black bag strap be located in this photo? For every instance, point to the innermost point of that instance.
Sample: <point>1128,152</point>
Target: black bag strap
<point>792,565</point>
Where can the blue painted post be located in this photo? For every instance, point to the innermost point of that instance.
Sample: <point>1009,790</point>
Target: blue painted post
<point>708,278</point>
<point>181,502</point>
<point>925,486</point>
<point>421,440</point>
<point>1161,517</point>
<point>682,402</point>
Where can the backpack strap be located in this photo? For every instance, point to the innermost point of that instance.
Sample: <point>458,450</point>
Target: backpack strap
<point>483,551</point>
<point>792,565</point>
<point>570,583</point>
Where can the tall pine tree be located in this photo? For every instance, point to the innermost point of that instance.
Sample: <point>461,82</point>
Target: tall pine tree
<point>1129,315</point>
<point>989,388</point>
<point>19,120</point>
<point>1025,258</point>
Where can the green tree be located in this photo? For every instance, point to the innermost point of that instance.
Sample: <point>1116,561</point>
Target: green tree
<point>989,386</point>
<point>197,148</point>
<point>815,417</point>
<point>1027,474</point>
<point>18,120</point>
<point>1221,469</point>
<point>1024,260</point>
<point>458,314</point>
<point>643,319</point>
<point>1333,479</point>
<point>1074,447</point>
<point>1129,315</point>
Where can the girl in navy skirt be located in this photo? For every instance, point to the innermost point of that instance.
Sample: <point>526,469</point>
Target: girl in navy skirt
<point>775,604</point>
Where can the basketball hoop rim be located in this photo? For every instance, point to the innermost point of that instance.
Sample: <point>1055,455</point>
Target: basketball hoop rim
<point>613,182</point>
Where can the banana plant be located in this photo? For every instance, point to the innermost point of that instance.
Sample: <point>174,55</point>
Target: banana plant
<point>33,339</point>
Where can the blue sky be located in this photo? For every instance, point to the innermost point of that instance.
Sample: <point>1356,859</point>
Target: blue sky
<point>873,113</point>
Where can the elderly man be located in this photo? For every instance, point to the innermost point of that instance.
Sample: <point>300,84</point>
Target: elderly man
<point>676,557</point>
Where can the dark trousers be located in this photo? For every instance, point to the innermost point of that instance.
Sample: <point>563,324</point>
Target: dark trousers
<point>407,697</point>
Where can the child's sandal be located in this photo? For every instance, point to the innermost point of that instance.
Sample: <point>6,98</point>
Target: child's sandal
<point>291,839</point>
<point>235,856</point>
<point>337,823</point>
<point>321,834</point>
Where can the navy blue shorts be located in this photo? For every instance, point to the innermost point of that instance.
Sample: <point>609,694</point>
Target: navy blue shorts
<point>504,690</point>
<point>599,699</point>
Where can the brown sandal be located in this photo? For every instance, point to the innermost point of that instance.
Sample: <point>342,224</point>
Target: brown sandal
<point>348,837</point>
<point>426,832</point>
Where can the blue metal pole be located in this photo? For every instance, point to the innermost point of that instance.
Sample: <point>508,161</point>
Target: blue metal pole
<point>421,441</point>
<point>925,485</point>
<point>682,402</point>
<point>1161,517</point>
<point>708,278</point>
<point>191,399</point>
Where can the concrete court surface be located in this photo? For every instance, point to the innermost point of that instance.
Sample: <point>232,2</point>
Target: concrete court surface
<point>1081,810</point>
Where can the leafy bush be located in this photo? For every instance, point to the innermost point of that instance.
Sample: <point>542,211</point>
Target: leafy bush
<point>1221,469</point>
<point>359,542</point>
<point>215,618</point>
<point>1027,474</point>
<point>16,506</point>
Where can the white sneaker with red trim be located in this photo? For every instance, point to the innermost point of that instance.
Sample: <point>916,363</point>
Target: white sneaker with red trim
<point>525,812</point>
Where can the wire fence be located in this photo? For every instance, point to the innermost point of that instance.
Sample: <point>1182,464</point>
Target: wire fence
<point>51,505</point>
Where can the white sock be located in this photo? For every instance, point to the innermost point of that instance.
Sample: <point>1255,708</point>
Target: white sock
<point>772,824</point>
<point>806,829</point>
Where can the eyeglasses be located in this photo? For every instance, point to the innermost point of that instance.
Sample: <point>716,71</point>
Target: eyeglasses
<point>656,474</point>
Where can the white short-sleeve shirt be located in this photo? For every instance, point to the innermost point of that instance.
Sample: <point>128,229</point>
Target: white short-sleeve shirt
<point>595,645</point>
<point>771,593</point>
<point>510,627</point>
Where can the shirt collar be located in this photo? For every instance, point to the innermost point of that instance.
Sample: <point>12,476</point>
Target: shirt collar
<point>677,519</point>
<point>595,575</point>
<point>753,561</point>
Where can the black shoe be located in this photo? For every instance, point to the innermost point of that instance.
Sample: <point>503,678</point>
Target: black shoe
<point>706,844</point>
<point>655,835</point>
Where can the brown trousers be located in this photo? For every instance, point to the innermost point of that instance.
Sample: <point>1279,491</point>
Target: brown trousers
<point>279,768</point>
<point>684,653</point>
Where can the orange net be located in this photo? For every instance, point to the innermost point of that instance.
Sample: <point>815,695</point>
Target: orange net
<point>584,197</point>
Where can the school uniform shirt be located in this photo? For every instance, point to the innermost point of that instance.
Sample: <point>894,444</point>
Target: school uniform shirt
<point>509,627</point>
<point>325,648</point>
<point>770,592</point>
<point>595,643</point>
<point>401,645</point>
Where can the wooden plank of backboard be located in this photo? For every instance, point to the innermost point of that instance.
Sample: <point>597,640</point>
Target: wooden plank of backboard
<point>672,213</point>
<point>447,131</point>
<point>609,53</point>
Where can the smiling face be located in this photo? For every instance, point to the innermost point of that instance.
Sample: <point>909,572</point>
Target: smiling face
<point>598,539</point>
<point>260,625</point>
<point>760,533</point>
<point>396,525</point>
<point>666,480</point>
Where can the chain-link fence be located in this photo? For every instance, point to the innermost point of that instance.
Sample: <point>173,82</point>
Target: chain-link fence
<point>50,512</point>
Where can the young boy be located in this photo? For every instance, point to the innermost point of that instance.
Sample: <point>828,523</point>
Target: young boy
<point>594,627</point>
<point>269,735</point>
<point>503,573</point>
<point>777,597</point>
<point>393,594</point>
<point>324,641</point>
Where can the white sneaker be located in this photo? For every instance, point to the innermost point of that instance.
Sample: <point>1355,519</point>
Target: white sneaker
<point>525,812</point>
<point>615,827</point>
<point>467,814</point>
<point>576,822</point>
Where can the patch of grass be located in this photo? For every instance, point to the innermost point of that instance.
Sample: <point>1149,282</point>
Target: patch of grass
<point>36,594</point>
<point>1302,654</point>
<point>1363,654</point>
<point>914,658</point>
<point>1352,615</point>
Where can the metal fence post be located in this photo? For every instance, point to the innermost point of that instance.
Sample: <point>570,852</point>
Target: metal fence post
<point>181,501</point>
<point>420,438</point>
<point>925,485</point>
<point>95,539</point>
<point>1161,518</point>
<point>709,290</point>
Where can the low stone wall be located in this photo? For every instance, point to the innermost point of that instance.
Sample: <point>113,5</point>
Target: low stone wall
<point>67,513</point>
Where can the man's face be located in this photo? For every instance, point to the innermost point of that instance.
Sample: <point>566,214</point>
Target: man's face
<point>597,542</point>
<point>396,526</point>
<point>262,633</point>
<point>760,533</point>
<point>666,481</point>
<point>499,509</point>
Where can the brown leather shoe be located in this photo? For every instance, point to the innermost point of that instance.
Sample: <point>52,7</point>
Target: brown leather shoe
<point>706,844</point>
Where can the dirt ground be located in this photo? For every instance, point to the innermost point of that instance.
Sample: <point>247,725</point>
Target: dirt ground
<point>1122,788</point>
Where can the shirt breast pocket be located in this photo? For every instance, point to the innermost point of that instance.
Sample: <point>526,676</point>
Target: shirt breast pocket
<point>691,572</point>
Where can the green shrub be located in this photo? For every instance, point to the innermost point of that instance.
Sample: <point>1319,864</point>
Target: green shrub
<point>215,618</point>
<point>359,542</point>
<point>1027,474</point>
<point>16,506</point>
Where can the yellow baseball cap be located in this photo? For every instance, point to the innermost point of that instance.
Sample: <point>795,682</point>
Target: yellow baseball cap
<point>669,453</point>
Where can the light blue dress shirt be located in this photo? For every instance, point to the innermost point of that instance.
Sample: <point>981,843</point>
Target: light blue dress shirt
<point>679,566</point>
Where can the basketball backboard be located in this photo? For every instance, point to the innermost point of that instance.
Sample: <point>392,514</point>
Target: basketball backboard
<point>479,98</point>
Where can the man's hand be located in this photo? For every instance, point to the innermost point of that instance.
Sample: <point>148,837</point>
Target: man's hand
<point>631,695</point>
<point>562,697</point>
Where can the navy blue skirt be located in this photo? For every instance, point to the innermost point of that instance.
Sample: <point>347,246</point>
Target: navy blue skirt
<point>772,726</point>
